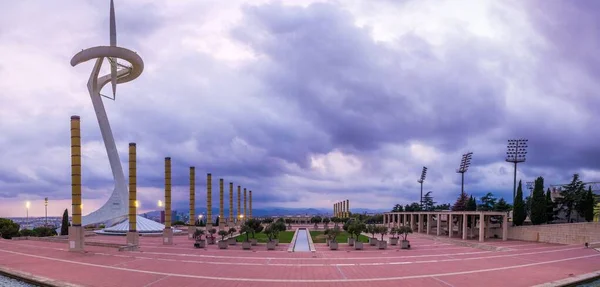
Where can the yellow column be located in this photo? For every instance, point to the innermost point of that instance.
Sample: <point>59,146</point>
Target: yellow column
<point>239,209</point>
<point>76,232</point>
<point>192,225</point>
<point>347,207</point>
<point>168,232</point>
<point>245,214</point>
<point>221,211</point>
<point>132,188</point>
<point>231,221</point>
<point>250,205</point>
<point>208,201</point>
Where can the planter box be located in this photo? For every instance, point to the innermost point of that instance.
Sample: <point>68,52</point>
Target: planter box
<point>231,241</point>
<point>271,245</point>
<point>276,241</point>
<point>200,244</point>
<point>350,241</point>
<point>222,244</point>
<point>382,244</point>
<point>246,245</point>
<point>358,245</point>
<point>333,245</point>
<point>405,244</point>
<point>394,241</point>
<point>210,240</point>
<point>372,241</point>
<point>253,241</point>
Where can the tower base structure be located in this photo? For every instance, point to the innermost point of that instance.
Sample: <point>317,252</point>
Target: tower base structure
<point>133,238</point>
<point>221,225</point>
<point>191,231</point>
<point>76,238</point>
<point>168,236</point>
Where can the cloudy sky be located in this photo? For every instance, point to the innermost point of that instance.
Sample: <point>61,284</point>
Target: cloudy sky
<point>304,102</point>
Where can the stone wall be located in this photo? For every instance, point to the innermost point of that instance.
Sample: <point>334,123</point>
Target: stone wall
<point>568,233</point>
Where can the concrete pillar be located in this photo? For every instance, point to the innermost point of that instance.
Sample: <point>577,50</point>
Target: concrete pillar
<point>239,208</point>
<point>464,226</point>
<point>221,206</point>
<point>488,226</point>
<point>429,219</point>
<point>439,224</point>
<point>133,238</point>
<point>420,223</point>
<point>250,204</point>
<point>76,232</point>
<point>449,220</point>
<point>413,222</point>
<point>192,226</point>
<point>481,227</point>
<point>504,227</point>
<point>168,232</point>
<point>231,218</point>
<point>245,209</point>
<point>209,222</point>
<point>405,219</point>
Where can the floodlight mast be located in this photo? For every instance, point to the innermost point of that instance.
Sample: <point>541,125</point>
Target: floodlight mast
<point>464,166</point>
<point>515,153</point>
<point>530,187</point>
<point>421,180</point>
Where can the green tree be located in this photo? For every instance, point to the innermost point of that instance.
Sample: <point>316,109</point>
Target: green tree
<point>398,208</point>
<point>461,203</point>
<point>444,206</point>
<point>570,195</point>
<point>549,207</point>
<point>487,202</point>
<point>589,203</point>
<point>8,228</point>
<point>502,205</point>
<point>471,204</point>
<point>538,203</point>
<point>64,227</point>
<point>415,206</point>
<point>428,202</point>
<point>527,206</point>
<point>407,208</point>
<point>519,207</point>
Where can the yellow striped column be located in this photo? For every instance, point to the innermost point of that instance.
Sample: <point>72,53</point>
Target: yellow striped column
<point>168,232</point>
<point>221,205</point>
<point>239,208</point>
<point>250,205</point>
<point>76,231</point>
<point>209,221</point>
<point>231,221</point>
<point>132,235</point>
<point>192,225</point>
<point>245,213</point>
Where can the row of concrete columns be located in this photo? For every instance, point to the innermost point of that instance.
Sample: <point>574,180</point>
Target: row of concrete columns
<point>341,209</point>
<point>418,220</point>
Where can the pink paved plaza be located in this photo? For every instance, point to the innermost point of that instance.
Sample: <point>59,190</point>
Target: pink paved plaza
<point>428,263</point>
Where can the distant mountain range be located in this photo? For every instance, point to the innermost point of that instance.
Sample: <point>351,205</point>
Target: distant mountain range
<point>276,211</point>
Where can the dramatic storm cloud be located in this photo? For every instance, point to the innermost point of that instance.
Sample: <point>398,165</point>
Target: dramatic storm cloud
<point>303,102</point>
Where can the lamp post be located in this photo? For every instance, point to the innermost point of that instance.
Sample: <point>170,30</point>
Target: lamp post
<point>46,207</point>
<point>27,204</point>
<point>200,219</point>
<point>421,180</point>
<point>464,166</point>
<point>515,153</point>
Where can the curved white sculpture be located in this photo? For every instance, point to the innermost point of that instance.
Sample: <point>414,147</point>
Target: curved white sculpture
<point>117,205</point>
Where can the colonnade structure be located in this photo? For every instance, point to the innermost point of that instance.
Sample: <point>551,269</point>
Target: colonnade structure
<point>463,224</point>
<point>342,209</point>
<point>234,218</point>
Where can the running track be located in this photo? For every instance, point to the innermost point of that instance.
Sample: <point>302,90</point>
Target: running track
<point>428,263</point>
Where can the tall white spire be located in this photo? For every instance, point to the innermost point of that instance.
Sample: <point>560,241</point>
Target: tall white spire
<point>113,43</point>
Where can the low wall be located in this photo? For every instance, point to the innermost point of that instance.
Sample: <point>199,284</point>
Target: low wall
<point>567,233</point>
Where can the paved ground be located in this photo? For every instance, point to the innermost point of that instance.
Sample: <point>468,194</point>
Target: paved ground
<point>428,263</point>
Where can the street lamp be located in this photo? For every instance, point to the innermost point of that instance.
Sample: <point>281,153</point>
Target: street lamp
<point>27,205</point>
<point>421,180</point>
<point>515,153</point>
<point>160,203</point>
<point>46,207</point>
<point>464,166</point>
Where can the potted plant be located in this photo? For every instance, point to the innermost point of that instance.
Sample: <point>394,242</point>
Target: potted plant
<point>200,242</point>
<point>231,240</point>
<point>332,235</point>
<point>326,221</point>
<point>278,226</point>
<point>383,230</point>
<point>394,239</point>
<point>316,220</point>
<point>404,231</point>
<point>255,227</point>
<point>358,229</point>
<point>289,222</point>
<point>222,243</point>
<point>372,229</point>
<point>270,232</point>
<point>246,229</point>
<point>349,228</point>
<point>211,238</point>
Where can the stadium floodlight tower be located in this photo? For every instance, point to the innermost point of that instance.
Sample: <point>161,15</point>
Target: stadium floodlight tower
<point>515,153</point>
<point>117,205</point>
<point>421,180</point>
<point>464,166</point>
<point>530,187</point>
